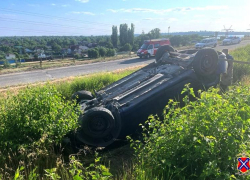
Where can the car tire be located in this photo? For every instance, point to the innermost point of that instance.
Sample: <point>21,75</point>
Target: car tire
<point>147,56</point>
<point>82,95</point>
<point>205,62</point>
<point>140,57</point>
<point>215,45</point>
<point>98,127</point>
<point>162,50</point>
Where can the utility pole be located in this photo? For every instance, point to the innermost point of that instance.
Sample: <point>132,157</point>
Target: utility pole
<point>168,30</point>
<point>227,30</point>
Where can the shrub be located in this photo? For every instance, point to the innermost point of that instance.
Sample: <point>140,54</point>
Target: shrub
<point>6,63</point>
<point>33,114</point>
<point>110,52</point>
<point>102,51</point>
<point>199,141</point>
<point>77,56</point>
<point>127,47</point>
<point>93,53</point>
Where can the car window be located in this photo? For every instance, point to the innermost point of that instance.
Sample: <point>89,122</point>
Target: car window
<point>150,46</point>
<point>157,45</point>
<point>144,46</point>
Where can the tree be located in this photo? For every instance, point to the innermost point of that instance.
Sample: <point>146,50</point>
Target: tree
<point>175,40</point>
<point>154,33</point>
<point>123,34</point>
<point>131,35</point>
<point>102,51</point>
<point>2,55</point>
<point>114,36</point>
<point>57,48</point>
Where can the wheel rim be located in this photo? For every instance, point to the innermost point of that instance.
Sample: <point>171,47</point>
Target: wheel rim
<point>97,125</point>
<point>206,63</point>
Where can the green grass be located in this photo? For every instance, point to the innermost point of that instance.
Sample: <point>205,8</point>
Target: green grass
<point>241,70</point>
<point>35,120</point>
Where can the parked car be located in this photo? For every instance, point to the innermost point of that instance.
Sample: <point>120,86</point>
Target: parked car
<point>150,47</point>
<point>208,42</point>
<point>117,110</point>
<point>231,40</point>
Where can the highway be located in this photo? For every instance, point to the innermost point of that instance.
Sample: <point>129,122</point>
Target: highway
<point>56,73</point>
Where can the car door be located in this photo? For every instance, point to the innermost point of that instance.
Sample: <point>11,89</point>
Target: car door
<point>235,40</point>
<point>156,46</point>
<point>210,42</point>
<point>151,49</point>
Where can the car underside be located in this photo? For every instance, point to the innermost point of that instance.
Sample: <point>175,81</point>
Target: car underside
<point>117,110</point>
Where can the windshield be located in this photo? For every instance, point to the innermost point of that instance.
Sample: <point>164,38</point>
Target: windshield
<point>229,37</point>
<point>203,41</point>
<point>144,46</point>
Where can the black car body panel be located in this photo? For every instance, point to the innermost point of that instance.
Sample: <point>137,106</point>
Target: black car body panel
<point>130,100</point>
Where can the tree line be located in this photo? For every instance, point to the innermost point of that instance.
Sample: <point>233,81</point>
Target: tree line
<point>121,39</point>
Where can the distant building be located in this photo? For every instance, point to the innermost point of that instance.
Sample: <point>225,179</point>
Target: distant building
<point>38,50</point>
<point>66,51</point>
<point>10,56</point>
<point>28,50</point>
<point>76,49</point>
<point>42,55</point>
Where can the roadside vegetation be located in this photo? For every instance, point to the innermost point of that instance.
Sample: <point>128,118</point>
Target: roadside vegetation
<point>198,141</point>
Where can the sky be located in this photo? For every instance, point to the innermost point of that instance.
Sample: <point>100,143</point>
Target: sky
<point>96,17</point>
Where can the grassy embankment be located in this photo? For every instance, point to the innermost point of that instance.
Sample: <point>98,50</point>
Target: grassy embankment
<point>199,141</point>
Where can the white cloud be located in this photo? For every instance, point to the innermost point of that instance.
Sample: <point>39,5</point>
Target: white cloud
<point>83,12</point>
<point>161,19</point>
<point>53,4</point>
<point>65,5</point>
<point>164,11</point>
<point>82,1</point>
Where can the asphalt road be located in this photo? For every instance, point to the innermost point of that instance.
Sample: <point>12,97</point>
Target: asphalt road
<point>56,73</point>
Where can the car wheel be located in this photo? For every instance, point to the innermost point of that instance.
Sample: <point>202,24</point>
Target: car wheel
<point>147,56</point>
<point>98,127</point>
<point>215,45</point>
<point>82,95</point>
<point>140,57</point>
<point>162,50</point>
<point>205,62</point>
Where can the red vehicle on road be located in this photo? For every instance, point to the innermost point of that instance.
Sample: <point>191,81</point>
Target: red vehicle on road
<point>150,47</point>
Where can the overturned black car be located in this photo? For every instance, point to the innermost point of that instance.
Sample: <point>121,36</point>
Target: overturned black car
<point>118,109</point>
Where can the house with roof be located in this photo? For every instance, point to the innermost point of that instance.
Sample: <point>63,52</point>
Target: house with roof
<point>66,51</point>
<point>28,50</point>
<point>10,56</point>
<point>76,49</point>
